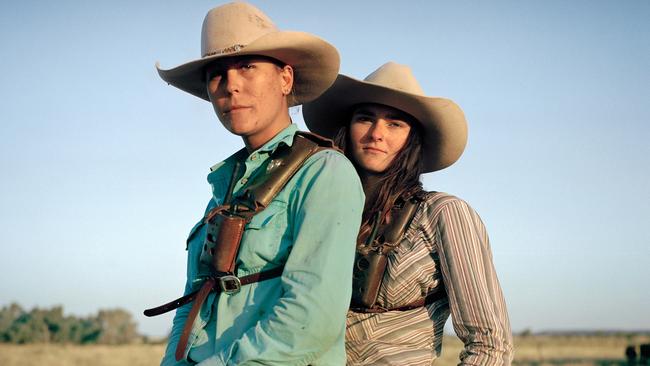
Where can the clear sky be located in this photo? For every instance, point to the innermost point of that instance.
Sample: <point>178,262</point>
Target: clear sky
<point>103,165</point>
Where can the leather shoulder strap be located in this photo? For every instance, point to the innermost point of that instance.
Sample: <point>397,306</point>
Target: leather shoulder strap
<point>394,231</point>
<point>283,165</point>
<point>318,140</point>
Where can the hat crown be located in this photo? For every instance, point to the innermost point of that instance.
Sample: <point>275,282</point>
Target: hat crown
<point>230,27</point>
<point>395,76</point>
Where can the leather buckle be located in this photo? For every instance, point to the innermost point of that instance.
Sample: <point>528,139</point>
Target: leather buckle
<point>229,284</point>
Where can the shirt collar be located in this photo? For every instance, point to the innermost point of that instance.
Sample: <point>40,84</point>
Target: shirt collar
<point>284,137</point>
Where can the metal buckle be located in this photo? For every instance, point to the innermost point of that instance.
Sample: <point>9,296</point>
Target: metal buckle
<point>229,284</point>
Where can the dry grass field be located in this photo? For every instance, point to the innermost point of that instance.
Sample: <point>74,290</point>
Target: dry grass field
<point>546,349</point>
<point>531,348</point>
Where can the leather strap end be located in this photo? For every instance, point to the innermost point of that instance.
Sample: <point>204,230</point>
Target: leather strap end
<point>196,307</point>
<point>170,305</point>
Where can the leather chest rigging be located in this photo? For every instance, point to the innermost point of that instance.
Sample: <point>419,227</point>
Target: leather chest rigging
<point>226,225</point>
<point>372,259</point>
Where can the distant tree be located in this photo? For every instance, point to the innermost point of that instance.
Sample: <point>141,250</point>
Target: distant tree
<point>113,326</point>
<point>89,330</point>
<point>56,324</point>
<point>8,314</point>
<point>28,328</point>
<point>117,327</point>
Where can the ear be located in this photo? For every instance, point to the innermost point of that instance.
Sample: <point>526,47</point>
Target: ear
<point>286,74</point>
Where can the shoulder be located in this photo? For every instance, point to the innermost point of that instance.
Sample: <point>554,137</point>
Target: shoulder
<point>444,208</point>
<point>327,180</point>
<point>330,161</point>
<point>435,202</point>
<point>330,178</point>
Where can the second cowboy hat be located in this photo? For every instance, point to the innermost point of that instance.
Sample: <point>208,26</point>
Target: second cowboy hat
<point>393,85</point>
<point>239,29</point>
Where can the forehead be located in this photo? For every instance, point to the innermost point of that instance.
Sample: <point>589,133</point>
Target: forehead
<point>234,61</point>
<point>383,111</point>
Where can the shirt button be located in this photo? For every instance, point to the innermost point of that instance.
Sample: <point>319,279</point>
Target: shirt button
<point>244,180</point>
<point>254,156</point>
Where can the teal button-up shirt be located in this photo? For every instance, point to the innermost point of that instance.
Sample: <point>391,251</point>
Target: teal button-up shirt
<point>311,227</point>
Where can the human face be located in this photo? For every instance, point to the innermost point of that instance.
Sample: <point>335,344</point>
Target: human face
<point>377,135</point>
<point>248,94</point>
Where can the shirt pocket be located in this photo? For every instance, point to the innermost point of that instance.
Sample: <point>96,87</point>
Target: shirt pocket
<point>262,243</point>
<point>194,245</point>
<point>193,233</point>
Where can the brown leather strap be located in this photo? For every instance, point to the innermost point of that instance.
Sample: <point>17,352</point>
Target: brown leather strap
<point>284,164</point>
<point>246,280</point>
<point>428,300</point>
<point>371,257</point>
<point>171,305</point>
<point>207,287</point>
<point>262,276</point>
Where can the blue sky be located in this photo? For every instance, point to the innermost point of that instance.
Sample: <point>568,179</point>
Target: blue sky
<point>103,165</point>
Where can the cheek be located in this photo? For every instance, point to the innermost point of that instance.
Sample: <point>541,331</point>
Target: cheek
<point>267,86</point>
<point>357,131</point>
<point>399,141</point>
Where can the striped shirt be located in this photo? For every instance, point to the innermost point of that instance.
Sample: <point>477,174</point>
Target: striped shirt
<point>445,247</point>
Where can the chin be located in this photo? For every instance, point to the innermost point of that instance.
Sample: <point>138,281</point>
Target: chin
<point>240,129</point>
<point>373,168</point>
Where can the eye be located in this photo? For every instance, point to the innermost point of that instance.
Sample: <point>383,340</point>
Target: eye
<point>213,82</point>
<point>247,66</point>
<point>396,124</point>
<point>215,73</point>
<point>362,118</point>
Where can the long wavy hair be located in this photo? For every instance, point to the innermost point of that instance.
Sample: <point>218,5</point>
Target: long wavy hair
<point>400,181</point>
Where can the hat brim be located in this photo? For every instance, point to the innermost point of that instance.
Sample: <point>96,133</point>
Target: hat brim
<point>315,63</point>
<point>442,120</point>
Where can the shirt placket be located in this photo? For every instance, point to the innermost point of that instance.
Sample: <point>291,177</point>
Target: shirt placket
<point>251,164</point>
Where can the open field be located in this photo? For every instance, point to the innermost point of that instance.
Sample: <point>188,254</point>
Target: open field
<point>545,349</point>
<point>531,348</point>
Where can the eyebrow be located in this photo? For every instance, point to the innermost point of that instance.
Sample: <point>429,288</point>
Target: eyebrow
<point>219,66</point>
<point>394,116</point>
<point>397,117</point>
<point>366,112</point>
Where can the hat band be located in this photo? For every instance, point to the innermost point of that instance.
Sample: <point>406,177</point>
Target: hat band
<point>231,49</point>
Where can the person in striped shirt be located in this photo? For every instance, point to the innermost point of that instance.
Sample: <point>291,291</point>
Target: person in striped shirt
<point>414,266</point>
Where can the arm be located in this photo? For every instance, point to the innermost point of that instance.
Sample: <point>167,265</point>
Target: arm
<point>478,310</point>
<point>309,319</point>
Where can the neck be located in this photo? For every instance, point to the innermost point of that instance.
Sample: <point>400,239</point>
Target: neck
<point>370,183</point>
<point>257,140</point>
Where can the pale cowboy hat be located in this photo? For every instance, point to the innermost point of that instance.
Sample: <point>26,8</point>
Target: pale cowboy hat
<point>238,29</point>
<point>393,85</point>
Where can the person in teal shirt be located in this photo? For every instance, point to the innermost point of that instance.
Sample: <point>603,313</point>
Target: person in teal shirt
<point>252,73</point>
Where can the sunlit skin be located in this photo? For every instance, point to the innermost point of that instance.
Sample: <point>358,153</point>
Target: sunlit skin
<point>377,134</point>
<point>249,95</point>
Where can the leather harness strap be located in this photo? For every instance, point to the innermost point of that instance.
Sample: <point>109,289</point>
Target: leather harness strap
<point>246,280</point>
<point>211,285</point>
<point>428,300</point>
<point>203,293</point>
<point>368,277</point>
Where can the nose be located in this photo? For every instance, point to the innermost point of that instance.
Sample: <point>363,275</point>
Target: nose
<point>232,82</point>
<point>377,131</point>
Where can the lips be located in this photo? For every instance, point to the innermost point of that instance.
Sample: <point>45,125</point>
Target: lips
<point>373,150</point>
<point>234,108</point>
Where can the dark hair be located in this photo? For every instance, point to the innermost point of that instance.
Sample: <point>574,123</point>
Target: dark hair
<point>401,179</point>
